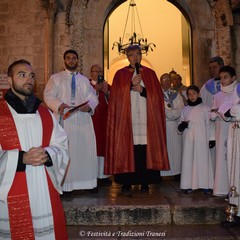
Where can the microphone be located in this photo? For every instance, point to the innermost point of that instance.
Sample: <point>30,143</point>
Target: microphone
<point>137,67</point>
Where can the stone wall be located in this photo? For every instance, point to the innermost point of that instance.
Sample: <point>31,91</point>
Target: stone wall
<point>203,38</point>
<point>236,43</point>
<point>41,30</point>
<point>22,35</point>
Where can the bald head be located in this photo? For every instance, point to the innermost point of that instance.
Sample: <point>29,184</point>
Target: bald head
<point>95,71</point>
<point>166,81</point>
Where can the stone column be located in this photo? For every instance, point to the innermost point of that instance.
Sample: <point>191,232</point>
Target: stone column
<point>224,21</point>
<point>51,7</point>
<point>75,14</point>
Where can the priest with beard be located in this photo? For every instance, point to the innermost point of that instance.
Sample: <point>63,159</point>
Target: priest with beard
<point>33,160</point>
<point>136,130</point>
<point>65,90</point>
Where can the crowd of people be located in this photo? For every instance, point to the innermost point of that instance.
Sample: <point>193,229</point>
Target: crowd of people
<point>134,132</point>
<point>205,149</point>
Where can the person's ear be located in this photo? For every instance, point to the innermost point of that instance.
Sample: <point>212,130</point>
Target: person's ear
<point>9,80</point>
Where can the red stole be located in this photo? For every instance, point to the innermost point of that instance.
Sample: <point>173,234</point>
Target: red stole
<point>20,218</point>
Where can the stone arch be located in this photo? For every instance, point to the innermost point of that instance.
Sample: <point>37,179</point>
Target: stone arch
<point>211,35</point>
<point>223,22</point>
<point>183,7</point>
<point>88,18</point>
<point>113,5</point>
<point>202,34</point>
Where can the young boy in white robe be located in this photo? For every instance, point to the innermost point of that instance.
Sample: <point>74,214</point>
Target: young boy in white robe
<point>197,171</point>
<point>222,102</point>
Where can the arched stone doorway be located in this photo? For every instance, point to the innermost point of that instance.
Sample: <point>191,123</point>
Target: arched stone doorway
<point>168,28</point>
<point>211,24</point>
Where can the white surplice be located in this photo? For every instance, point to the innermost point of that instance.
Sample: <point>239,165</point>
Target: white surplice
<point>139,116</point>
<point>208,94</point>
<point>174,140</point>
<point>197,169</point>
<point>30,135</point>
<point>207,98</point>
<point>82,170</point>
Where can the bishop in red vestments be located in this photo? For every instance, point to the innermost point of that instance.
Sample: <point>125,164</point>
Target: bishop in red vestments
<point>136,131</point>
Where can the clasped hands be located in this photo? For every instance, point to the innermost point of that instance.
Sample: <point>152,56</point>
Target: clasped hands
<point>35,156</point>
<point>136,83</point>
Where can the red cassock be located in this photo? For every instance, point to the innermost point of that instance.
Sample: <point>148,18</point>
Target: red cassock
<point>119,138</point>
<point>100,123</point>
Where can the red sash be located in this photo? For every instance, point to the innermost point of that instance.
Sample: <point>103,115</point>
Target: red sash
<point>20,218</point>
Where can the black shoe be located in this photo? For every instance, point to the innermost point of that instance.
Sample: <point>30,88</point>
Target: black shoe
<point>104,182</point>
<point>126,188</point>
<point>227,224</point>
<point>144,188</point>
<point>206,192</point>
<point>94,190</point>
<point>67,194</point>
<point>227,198</point>
<point>237,219</point>
<point>177,178</point>
<point>188,191</point>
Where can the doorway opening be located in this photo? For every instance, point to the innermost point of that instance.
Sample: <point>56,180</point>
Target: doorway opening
<point>163,24</point>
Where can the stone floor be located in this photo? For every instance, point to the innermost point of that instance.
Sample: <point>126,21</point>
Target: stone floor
<point>165,212</point>
<point>153,232</point>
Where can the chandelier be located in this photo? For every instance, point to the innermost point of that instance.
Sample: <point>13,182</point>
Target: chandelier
<point>134,39</point>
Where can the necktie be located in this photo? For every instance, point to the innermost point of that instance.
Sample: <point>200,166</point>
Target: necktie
<point>218,86</point>
<point>73,89</point>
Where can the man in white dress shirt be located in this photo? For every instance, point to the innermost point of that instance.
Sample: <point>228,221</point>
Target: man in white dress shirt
<point>64,90</point>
